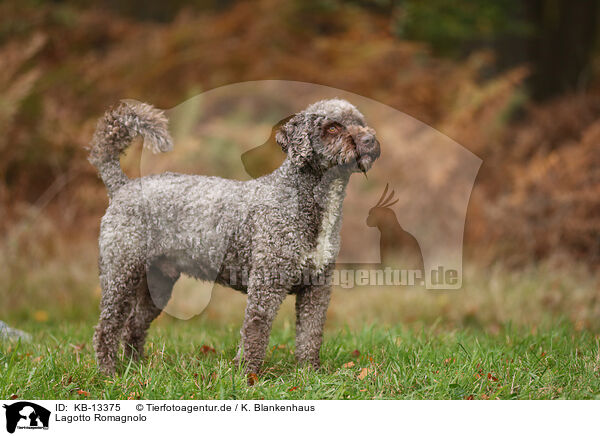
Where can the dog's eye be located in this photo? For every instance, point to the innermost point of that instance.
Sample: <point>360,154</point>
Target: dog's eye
<point>333,128</point>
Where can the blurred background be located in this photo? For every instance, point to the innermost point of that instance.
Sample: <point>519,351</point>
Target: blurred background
<point>516,83</point>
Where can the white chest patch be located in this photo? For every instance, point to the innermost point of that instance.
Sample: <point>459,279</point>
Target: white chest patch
<point>328,244</point>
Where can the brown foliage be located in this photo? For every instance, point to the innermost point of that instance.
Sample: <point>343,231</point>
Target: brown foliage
<point>538,192</point>
<point>553,207</point>
<point>57,82</point>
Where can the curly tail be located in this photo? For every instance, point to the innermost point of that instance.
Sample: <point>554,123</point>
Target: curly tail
<point>114,133</point>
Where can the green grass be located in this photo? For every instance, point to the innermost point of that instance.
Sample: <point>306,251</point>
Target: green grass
<point>514,363</point>
<point>477,342</point>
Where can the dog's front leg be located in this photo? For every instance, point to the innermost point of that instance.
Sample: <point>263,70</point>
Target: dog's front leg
<point>263,303</point>
<point>311,311</point>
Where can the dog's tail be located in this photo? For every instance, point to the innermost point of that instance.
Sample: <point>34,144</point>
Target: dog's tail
<point>114,133</point>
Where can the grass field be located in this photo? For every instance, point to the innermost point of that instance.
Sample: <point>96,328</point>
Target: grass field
<point>531,333</point>
<point>374,362</point>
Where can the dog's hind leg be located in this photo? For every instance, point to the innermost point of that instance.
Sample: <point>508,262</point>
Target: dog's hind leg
<point>153,294</point>
<point>118,294</point>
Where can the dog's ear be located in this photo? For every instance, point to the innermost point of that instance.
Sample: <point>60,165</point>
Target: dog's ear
<point>294,139</point>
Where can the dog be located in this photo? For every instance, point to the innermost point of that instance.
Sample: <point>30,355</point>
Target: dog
<point>269,237</point>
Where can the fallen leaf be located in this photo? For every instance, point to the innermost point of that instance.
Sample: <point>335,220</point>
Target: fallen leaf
<point>470,397</point>
<point>364,372</point>
<point>205,349</point>
<point>252,378</point>
<point>293,388</point>
<point>484,397</point>
<point>355,353</point>
<point>84,393</point>
<point>14,396</point>
<point>349,365</point>
<point>78,347</point>
<point>362,390</point>
<point>491,377</point>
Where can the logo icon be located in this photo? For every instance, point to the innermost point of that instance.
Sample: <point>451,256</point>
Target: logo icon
<point>26,415</point>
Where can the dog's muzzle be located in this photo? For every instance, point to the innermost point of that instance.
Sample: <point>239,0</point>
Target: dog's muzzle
<point>368,150</point>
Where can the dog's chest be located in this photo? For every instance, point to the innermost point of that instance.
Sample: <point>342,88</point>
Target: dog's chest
<point>327,244</point>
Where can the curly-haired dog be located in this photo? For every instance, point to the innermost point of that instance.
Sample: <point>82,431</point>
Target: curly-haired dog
<point>268,237</point>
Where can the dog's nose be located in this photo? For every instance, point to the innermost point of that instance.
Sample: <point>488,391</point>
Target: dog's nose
<point>368,143</point>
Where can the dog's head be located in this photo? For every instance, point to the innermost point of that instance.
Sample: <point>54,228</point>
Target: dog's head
<point>329,133</point>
